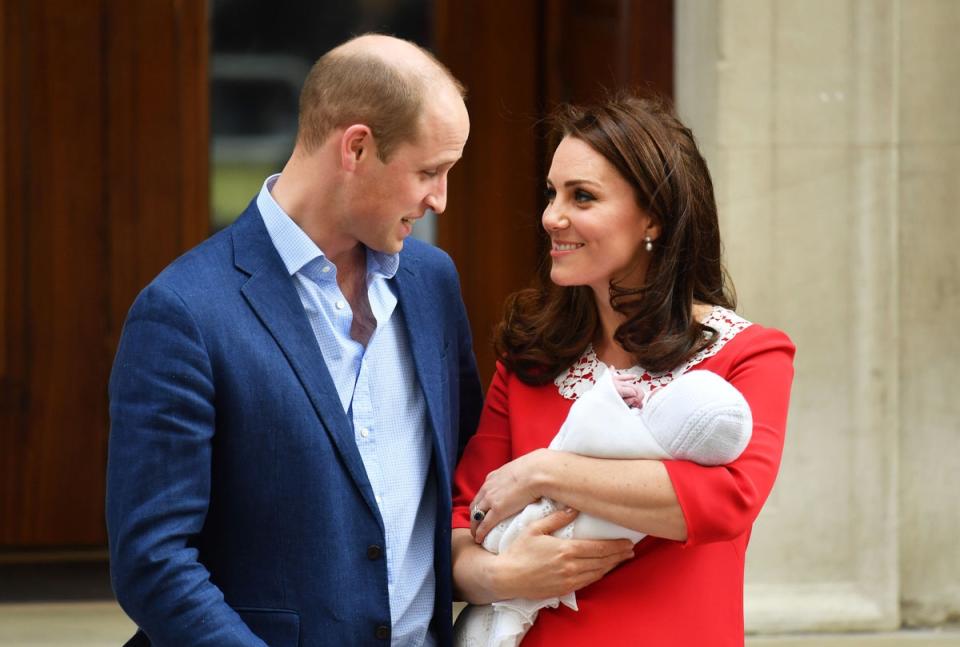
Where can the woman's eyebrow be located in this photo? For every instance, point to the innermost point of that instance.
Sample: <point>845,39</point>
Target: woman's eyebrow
<point>579,181</point>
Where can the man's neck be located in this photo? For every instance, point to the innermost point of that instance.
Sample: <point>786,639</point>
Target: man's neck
<point>307,192</point>
<point>351,270</point>
<point>352,279</point>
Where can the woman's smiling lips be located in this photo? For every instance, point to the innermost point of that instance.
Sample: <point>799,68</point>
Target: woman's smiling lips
<point>562,248</point>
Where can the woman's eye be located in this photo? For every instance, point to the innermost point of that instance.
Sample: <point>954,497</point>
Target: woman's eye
<point>549,193</point>
<point>582,196</point>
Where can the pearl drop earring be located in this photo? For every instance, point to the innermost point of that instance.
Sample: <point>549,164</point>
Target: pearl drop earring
<point>648,244</point>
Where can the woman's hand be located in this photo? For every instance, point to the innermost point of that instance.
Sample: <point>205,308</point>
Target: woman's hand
<point>538,565</point>
<point>506,491</point>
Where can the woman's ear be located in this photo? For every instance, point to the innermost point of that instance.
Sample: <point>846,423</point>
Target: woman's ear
<point>653,229</point>
<point>356,145</point>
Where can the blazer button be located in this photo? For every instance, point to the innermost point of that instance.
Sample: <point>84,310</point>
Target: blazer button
<point>383,632</point>
<point>374,552</point>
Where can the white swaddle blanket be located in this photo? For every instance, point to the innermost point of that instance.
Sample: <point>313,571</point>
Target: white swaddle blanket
<point>698,417</point>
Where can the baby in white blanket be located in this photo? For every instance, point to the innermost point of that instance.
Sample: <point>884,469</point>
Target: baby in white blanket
<point>698,417</point>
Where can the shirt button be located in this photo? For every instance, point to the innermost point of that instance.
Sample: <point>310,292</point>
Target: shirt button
<point>383,632</point>
<point>340,305</point>
<point>364,432</point>
<point>378,498</point>
<point>325,269</point>
<point>374,552</point>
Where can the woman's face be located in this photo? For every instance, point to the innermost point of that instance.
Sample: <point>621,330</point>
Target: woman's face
<point>596,228</point>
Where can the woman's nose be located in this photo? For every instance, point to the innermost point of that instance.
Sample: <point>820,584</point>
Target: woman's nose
<point>553,218</point>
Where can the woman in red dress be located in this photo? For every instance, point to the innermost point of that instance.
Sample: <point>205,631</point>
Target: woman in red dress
<point>635,283</point>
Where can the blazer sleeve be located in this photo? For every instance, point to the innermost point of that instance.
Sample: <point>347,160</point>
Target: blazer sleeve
<point>488,449</point>
<point>158,477</point>
<point>721,503</point>
<point>471,393</point>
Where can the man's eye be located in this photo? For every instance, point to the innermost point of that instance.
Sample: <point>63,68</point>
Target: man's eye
<point>583,196</point>
<point>430,173</point>
<point>549,193</point>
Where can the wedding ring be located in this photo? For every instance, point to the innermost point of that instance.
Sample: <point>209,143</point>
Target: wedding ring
<point>478,514</point>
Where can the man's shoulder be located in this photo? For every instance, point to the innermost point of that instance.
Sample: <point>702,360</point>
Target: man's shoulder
<point>213,261</point>
<point>199,267</point>
<point>433,269</point>
<point>419,251</point>
<point>417,255</point>
<point>204,274</point>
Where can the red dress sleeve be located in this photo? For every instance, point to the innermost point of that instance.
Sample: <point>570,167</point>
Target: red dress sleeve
<point>721,503</point>
<point>488,449</point>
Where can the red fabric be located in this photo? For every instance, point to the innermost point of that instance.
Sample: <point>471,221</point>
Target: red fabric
<point>671,593</point>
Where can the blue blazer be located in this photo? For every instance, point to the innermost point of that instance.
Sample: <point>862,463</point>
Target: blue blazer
<point>238,508</point>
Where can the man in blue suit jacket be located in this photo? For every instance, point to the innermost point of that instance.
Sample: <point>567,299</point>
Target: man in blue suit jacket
<point>289,398</point>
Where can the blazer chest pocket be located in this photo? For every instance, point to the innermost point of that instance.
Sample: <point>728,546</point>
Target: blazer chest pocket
<point>276,627</point>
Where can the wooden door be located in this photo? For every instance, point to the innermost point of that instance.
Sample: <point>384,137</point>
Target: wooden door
<point>103,175</point>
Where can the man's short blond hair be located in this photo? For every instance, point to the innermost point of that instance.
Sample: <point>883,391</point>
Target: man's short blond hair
<point>346,88</point>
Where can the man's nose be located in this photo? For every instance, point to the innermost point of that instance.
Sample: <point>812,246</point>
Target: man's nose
<point>437,198</point>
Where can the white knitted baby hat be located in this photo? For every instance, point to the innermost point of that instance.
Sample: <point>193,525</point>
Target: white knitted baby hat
<point>699,417</point>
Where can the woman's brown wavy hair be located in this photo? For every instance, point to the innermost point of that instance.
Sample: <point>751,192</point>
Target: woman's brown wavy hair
<point>547,327</point>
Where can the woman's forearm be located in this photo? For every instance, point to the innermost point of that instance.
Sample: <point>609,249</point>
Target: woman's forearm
<point>636,494</point>
<point>473,568</point>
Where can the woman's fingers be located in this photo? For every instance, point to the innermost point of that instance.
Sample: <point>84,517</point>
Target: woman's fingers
<point>505,491</point>
<point>553,522</point>
<point>493,508</point>
<point>585,570</point>
<point>542,565</point>
<point>477,514</point>
<point>484,516</point>
<point>600,548</point>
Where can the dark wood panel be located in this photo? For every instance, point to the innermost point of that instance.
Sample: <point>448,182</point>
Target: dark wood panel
<point>99,134</point>
<point>598,45</point>
<point>492,220</point>
<point>58,219</point>
<point>4,271</point>
<point>12,386</point>
<point>157,147</point>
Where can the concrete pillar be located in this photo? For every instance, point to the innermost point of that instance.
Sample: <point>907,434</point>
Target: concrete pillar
<point>929,291</point>
<point>831,128</point>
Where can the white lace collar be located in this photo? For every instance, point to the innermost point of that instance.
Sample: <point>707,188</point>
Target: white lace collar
<point>579,378</point>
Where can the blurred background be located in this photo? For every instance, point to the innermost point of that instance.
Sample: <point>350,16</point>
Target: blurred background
<point>130,130</point>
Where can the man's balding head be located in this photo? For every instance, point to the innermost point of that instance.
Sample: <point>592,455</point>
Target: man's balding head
<point>380,81</point>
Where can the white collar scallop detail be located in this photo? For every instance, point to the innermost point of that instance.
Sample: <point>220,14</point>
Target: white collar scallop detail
<point>579,378</point>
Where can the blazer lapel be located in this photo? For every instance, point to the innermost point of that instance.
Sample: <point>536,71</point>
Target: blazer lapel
<point>426,339</point>
<point>274,299</point>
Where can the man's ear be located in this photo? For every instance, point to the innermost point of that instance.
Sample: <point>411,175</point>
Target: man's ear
<point>356,145</point>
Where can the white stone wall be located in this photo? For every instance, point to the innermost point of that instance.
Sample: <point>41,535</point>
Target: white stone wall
<point>929,275</point>
<point>832,128</point>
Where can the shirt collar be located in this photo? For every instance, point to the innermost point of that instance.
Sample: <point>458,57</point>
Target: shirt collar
<point>381,264</point>
<point>297,249</point>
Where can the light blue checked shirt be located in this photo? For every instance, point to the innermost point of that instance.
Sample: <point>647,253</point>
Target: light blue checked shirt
<point>379,390</point>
